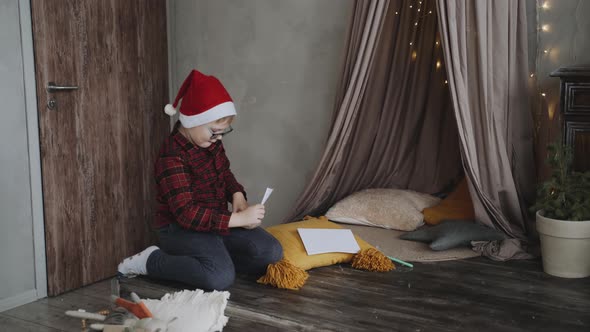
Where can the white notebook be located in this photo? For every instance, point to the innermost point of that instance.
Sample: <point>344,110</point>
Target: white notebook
<point>320,240</point>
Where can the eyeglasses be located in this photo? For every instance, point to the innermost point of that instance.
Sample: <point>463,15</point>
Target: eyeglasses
<point>220,134</point>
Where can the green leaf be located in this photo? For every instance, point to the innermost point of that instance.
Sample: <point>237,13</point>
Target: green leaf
<point>565,194</point>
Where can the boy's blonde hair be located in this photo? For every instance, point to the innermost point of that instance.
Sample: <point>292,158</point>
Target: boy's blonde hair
<point>225,120</point>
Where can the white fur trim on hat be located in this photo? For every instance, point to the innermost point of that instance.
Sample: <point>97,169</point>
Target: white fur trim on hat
<point>220,111</point>
<point>170,110</point>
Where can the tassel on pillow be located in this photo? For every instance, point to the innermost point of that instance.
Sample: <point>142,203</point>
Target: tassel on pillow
<point>284,274</point>
<point>372,260</point>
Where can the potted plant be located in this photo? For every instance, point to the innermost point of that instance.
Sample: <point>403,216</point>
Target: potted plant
<point>563,217</point>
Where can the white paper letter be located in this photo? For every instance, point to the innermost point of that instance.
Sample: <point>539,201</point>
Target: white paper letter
<point>266,195</point>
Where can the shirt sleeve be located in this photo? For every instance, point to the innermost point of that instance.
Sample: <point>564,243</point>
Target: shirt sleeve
<point>173,178</point>
<point>232,186</point>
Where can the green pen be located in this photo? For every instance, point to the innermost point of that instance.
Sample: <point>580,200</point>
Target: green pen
<point>400,261</point>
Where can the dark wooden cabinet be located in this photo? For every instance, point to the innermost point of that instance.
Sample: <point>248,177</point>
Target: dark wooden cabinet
<point>575,109</point>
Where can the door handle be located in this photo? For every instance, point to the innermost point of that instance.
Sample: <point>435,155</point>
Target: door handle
<point>52,87</point>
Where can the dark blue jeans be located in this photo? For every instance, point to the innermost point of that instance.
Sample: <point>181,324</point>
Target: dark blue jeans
<point>210,261</point>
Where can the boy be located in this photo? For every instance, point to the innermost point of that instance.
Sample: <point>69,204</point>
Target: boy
<point>202,243</point>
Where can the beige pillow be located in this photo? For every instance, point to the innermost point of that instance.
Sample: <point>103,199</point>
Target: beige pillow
<point>386,208</point>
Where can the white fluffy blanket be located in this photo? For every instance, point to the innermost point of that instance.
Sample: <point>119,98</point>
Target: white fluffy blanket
<point>195,311</point>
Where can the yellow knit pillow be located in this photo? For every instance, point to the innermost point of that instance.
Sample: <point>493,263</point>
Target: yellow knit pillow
<point>294,251</point>
<point>457,206</point>
<point>289,272</point>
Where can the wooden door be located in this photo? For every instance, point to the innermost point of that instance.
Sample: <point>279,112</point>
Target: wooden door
<point>99,142</point>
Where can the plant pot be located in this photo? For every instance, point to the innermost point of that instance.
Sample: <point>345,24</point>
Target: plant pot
<point>565,246</point>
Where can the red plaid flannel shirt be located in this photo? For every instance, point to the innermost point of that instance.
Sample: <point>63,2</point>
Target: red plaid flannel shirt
<point>194,185</point>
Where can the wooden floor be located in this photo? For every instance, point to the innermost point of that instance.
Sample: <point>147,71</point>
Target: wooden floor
<point>469,295</point>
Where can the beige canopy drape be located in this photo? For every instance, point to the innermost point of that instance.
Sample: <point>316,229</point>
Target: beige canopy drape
<point>393,126</point>
<point>485,44</point>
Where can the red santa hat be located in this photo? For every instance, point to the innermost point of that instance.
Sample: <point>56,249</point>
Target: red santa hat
<point>204,99</point>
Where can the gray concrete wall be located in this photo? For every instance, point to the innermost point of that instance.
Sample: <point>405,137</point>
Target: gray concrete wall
<point>17,261</point>
<point>280,60</point>
<point>567,41</point>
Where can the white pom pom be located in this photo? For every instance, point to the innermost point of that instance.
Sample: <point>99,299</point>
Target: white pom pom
<point>170,110</point>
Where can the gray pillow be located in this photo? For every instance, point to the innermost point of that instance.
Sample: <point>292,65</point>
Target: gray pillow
<point>453,233</point>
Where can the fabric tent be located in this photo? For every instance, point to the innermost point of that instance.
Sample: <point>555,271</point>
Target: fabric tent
<point>416,107</point>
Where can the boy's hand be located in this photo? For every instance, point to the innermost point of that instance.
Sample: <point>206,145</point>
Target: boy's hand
<point>239,202</point>
<point>251,226</point>
<point>249,218</point>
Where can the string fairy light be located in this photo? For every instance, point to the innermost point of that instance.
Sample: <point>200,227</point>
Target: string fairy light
<point>418,15</point>
<point>545,52</point>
